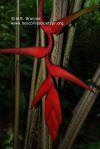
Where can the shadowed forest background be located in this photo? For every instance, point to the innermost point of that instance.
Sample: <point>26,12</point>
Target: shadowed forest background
<point>84,60</point>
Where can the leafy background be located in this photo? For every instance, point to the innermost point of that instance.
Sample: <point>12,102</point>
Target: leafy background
<point>84,60</point>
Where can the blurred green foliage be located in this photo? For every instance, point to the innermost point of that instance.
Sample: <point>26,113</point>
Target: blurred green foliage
<point>6,140</point>
<point>95,145</point>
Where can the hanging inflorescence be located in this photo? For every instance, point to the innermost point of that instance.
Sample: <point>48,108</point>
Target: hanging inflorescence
<point>53,116</point>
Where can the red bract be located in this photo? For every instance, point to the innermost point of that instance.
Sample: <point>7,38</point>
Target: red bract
<point>48,108</point>
<point>44,89</point>
<point>50,117</point>
<point>54,120</point>
<point>57,26</point>
<point>60,72</point>
<point>53,97</point>
<point>51,129</point>
<point>52,125</point>
<point>38,52</point>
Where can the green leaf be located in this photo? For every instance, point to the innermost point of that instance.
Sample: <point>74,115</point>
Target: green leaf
<point>8,147</point>
<point>9,139</point>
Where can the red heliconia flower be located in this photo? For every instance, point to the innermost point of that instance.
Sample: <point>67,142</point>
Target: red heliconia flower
<point>53,115</point>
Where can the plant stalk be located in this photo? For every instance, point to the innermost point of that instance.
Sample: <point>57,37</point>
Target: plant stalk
<point>70,36</point>
<point>32,90</point>
<point>80,113</point>
<point>44,127</point>
<point>34,114</point>
<point>59,11</point>
<point>17,80</point>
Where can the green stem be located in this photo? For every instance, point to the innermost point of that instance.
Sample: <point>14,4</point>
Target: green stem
<point>17,80</point>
